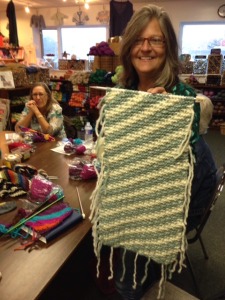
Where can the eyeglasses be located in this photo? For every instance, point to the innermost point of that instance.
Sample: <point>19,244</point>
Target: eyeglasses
<point>152,41</point>
<point>35,95</point>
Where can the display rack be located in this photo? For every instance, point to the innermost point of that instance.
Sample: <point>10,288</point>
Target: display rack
<point>217,95</point>
<point>17,97</point>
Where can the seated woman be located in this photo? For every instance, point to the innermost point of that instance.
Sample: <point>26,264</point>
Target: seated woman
<point>42,112</point>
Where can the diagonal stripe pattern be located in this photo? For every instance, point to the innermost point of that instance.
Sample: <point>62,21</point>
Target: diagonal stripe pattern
<point>143,190</point>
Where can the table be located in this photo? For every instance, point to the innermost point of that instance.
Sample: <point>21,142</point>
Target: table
<point>26,274</point>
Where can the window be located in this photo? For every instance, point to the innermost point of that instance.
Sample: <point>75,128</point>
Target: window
<point>50,42</point>
<point>199,38</point>
<point>78,40</point>
<point>74,40</point>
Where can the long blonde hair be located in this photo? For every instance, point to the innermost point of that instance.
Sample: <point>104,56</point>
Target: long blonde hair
<point>50,100</point>
<point>140,19</point>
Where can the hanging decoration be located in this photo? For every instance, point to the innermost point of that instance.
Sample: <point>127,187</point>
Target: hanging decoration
<point>37,21</point>
<point>120,14</point>
<point>80,17</point>
<point>103,16</point>
<point>59,17</point>
<point>11,15</point>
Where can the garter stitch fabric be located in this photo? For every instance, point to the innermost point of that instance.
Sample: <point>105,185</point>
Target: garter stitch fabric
<point>142,194</point>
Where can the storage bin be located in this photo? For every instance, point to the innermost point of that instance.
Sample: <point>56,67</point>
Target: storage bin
<point>200,64</point>
<point>106,63</point>
<point>76,65</point>
<point>214,64</point>
<point>116,62</point>
<point>63,64</point>
<point>115,47</point>
<point>96,63</point>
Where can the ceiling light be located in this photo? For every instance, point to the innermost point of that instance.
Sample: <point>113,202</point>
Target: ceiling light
<point>27,9</point>
<point>86,5</point>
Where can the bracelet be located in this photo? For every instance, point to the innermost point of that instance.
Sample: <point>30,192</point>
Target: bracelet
<point>40,116</point>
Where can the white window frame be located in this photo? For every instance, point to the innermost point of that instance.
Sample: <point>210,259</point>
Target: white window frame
<point>59,35</point>
<point>210,23</point>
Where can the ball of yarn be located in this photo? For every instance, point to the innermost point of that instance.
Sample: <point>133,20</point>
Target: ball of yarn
<point>69,148</point>
<point>40,188</point>
<point>80,149</point>
<point>88,172</point>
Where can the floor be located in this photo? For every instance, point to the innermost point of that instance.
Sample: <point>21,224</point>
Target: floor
<point>77,280</point>
<point>171,293</point>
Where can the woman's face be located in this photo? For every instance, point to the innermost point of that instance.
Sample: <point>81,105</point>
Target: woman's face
<point>40,96</point>
<point>149,51</point>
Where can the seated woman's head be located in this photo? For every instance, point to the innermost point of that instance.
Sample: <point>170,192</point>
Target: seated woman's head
<point>41,94</point>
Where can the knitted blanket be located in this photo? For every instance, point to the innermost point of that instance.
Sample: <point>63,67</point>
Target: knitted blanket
<point>143,190</point>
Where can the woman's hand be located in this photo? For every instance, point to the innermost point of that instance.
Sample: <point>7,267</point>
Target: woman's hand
<point>157,90</point>
<point>32,106</point>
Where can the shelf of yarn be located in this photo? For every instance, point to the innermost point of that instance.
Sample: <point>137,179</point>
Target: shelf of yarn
<point>217,95</point>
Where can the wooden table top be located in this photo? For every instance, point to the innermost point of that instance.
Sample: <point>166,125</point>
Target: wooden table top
<point>26,274</point>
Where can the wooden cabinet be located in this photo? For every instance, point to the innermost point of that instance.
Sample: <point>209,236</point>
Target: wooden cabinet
<point>18,97</point>
<point>217,95</point>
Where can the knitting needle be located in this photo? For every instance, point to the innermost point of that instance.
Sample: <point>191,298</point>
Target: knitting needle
<point>98,87</point>
<point>104,88</point>
<point>81,208</point>
<point>53,177</point>
<point>22,221</point>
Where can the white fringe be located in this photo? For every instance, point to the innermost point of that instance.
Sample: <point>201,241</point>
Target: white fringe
<point>111,263</point>
<point>135,272</point>
<point>186,139</point>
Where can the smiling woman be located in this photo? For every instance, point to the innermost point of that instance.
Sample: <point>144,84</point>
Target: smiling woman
<point>149,57</point>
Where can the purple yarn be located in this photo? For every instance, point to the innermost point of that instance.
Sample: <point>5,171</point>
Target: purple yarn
<point>40,188</point>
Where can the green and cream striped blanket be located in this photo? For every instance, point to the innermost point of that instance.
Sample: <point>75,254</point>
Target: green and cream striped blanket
<point>143,190</point>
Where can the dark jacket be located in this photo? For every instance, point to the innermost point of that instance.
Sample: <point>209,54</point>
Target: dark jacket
<point>203,184</point>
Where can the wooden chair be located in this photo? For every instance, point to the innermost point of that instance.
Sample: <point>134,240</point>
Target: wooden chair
<point>198,230</point>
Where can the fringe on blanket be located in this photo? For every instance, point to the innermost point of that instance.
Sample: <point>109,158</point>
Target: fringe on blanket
<point>101,189</point>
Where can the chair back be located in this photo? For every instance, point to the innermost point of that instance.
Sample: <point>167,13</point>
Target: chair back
<point>220,176</point>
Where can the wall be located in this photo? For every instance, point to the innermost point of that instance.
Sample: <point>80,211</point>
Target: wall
<point>179,11</point>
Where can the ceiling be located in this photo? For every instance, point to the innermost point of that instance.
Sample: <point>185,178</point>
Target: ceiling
<point>56,3</point>
<point>62,3</point>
